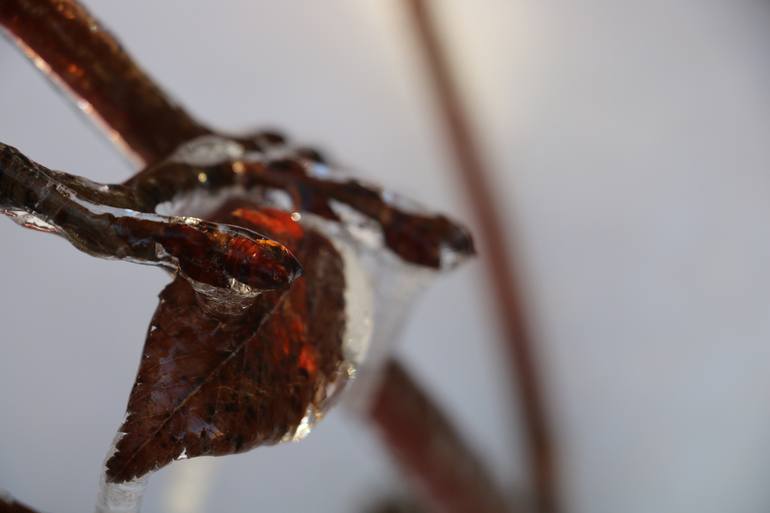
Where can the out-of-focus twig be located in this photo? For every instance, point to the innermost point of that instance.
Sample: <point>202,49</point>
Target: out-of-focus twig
<point>511,312</point>
<point>69,45</point>
<point>9,505</point>
<point>423,441</point>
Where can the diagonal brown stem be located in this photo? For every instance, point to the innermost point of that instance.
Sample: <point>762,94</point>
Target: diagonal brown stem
<point>511,312</point>
<point>65,41</point>
<point>424,442</point>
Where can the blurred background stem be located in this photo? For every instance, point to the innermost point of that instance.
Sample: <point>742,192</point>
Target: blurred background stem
<point>425,443</point>
<point>473,172</point>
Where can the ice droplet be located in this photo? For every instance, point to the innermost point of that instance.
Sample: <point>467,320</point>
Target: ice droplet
<point>207,150</point>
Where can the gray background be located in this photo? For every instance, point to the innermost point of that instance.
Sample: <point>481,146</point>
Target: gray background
<point>631,147</point>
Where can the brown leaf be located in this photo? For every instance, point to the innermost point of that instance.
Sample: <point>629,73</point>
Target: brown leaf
<point>214,384</point>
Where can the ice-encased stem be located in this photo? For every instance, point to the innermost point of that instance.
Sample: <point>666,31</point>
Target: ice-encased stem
<point>71,47</point>
<point>121,497</point>
<point>106,221</point>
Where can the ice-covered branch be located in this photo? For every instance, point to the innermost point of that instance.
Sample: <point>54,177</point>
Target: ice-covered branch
<point>70,46</point>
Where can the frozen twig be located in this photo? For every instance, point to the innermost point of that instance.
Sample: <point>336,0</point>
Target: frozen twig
<point>62,39</point>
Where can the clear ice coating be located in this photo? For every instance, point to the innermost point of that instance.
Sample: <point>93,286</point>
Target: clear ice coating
<point>105,221</point>
<point>290,280</point>
<point>121,497</point>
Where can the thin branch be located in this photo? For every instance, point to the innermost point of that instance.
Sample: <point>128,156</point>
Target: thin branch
<point>423,441</point>
<point>511,312</point>
<point>69,45</point>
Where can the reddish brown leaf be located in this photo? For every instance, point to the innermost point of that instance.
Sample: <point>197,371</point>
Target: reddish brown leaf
<point>213,383</point>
